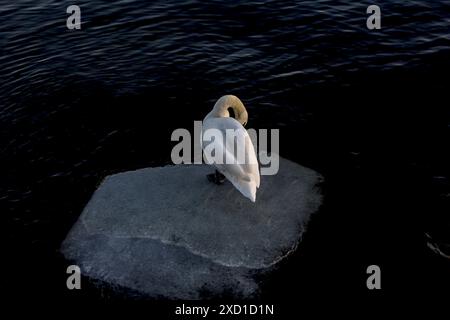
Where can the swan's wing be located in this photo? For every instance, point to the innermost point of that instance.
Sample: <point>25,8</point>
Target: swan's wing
<point>251,165</point>
<point>244,175</point>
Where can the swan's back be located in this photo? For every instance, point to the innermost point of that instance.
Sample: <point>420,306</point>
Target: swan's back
<point>244,176</point>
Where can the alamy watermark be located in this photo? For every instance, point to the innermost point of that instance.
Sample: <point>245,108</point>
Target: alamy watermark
<point>374,20</point>
<point>374,280</point>
<point>74,279</point>
<point>74,20</point>
<point>228,146</point>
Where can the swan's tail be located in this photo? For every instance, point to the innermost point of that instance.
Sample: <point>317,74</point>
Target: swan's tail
<point>247,188</point>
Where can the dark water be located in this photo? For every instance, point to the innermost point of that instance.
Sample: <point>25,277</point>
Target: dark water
<point>367,109</point>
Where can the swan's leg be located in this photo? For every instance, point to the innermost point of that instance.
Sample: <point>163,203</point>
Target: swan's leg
<point>216,177</point>
<point>220,178</point>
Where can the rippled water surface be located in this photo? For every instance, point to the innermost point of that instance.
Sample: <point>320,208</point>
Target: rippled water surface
<point>368,109</point>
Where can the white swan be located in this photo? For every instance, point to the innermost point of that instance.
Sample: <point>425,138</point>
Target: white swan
<point>244,175</point>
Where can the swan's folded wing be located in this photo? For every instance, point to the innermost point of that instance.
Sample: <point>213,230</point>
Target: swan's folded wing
<point>249,166</point>
<point>243,173</point>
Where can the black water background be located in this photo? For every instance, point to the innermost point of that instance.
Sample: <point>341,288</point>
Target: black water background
<point>367,109</point>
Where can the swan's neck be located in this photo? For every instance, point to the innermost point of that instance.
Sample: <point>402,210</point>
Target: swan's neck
<point>220,109</point>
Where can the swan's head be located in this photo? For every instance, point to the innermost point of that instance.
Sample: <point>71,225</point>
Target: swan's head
<point>242,117</point>
<point>229,101</point>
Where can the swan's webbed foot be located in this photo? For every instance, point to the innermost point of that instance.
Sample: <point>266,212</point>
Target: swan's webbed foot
<point>216,177</point>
